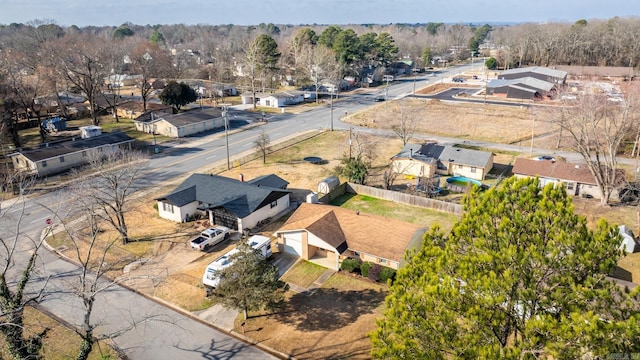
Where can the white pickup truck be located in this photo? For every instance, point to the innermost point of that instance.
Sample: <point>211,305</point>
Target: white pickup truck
<point>209,237</point>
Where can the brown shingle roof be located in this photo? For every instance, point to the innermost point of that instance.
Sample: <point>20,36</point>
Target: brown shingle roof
<point>366,233</point>
<point>554,170</point>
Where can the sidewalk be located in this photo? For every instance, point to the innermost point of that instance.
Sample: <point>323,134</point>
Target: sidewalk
<point>316,284</point>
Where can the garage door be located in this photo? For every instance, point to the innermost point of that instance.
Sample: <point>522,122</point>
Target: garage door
<point>293,246</point>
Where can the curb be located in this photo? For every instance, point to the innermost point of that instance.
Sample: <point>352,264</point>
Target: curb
<point>166,304</point>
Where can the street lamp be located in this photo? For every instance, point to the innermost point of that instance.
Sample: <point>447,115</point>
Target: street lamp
<point>225,116</point>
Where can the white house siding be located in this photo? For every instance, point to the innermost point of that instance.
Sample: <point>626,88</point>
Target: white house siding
<point>413,167</point>
<point>179,214</point>
<point>313,240</point>
<point>264,212</point>
<point>292,242</point>
<point>476,173</point>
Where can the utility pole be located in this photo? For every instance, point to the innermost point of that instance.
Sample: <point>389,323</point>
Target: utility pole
<point>225,116</point>
<point>331,94</point>
<point>533,128</point>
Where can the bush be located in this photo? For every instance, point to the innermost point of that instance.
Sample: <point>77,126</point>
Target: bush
<point>365,267</point>
<point>387,274</point>
<point>374,272</point>
<point>350,264</point>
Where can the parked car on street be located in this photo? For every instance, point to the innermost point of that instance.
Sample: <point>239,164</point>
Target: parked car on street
<point>545,158</point>
<point>458,80</point>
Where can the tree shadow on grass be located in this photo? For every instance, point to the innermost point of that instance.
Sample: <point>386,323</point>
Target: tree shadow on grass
<point>328,309</point>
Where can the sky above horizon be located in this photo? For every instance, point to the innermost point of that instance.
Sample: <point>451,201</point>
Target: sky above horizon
<point>296,12</point>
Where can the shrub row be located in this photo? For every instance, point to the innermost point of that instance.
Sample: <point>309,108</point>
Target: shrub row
<point>374,272</point>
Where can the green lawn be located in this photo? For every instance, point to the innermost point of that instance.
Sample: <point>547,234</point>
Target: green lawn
<point>303,274</point>
<point>389,209</point>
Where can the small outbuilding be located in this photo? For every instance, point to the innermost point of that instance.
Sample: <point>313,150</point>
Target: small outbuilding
<point>329,184</point>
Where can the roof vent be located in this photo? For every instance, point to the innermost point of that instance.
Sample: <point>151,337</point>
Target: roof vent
<point>577,166</point>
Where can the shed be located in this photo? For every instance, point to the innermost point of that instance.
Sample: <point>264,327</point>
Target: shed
<point>90,131</point>
<point>329,184</point>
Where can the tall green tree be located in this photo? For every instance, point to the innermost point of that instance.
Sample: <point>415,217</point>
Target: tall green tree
<point>386,49</point>
<point>122,32</point>
<point>426,56</point>
<point>261,57</point>
<point>177,94</point>
<point>328,36</point>
<point>519,277</point>
<point>250,283</point>
<point>346,46</point>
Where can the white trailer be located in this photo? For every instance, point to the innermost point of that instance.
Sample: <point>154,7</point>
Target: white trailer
<point>210,279</point>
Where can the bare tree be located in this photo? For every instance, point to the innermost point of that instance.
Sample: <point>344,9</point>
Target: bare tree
<point>262,144</point>
<point>148,60</point>
<point>97,264</point>
<point>19,252</point>
<point>114,177</point>
<point>406,126</point>
<point>597,128</point>
<point>84,64</point>
<point>391,173</point>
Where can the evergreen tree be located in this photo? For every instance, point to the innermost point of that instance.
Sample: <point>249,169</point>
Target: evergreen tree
<point>520,276</point>
<point>250,283</point>
<point>177,94</point>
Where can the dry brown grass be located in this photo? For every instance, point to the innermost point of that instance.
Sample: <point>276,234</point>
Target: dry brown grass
<point>330,324</point>
<point>60,342</point>
<point>492,123</point>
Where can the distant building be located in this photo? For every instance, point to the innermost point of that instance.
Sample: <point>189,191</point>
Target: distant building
<point>183,124</point>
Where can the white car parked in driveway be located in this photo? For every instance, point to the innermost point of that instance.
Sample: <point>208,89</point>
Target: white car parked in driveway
<point>210,237</point>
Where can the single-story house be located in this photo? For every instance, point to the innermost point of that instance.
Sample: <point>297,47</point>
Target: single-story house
<point>577,178</point>
<point>183,124</point>
<point>329,234</point>
<point>118,80</point>
<point>232,203</point>
<point>133,109</point>
<point>557,77</point>
<point>55,158</point>
<point>426,160</point>
<point>521,88</point>
<point>280,99</point>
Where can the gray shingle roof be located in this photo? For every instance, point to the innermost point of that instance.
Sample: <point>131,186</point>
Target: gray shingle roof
<point>73,146</point>
<point>537,69</point>
<point>529,81</point>
<point>213,191</point>
<point>271,180</point>
<point>192,116</point>
<point>444,153</point>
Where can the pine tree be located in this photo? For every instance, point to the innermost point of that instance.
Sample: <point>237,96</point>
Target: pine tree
<point>520,276</point>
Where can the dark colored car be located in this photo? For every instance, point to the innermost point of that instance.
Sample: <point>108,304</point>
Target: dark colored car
<point>458,80</point>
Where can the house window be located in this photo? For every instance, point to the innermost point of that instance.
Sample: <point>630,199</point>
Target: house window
<point>84,154</point>
<point>570,186</point>
<point>274,204</point>
<point>267,102</point>
<point>460,166</point>
<point>44,163</point>
<point>167,207</point>
<point>473,169</point>
<point>61,159</point>
<point>383,261</point>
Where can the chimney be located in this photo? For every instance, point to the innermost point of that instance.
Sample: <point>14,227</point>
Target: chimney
<point>241,177</point>
<point>411,152</point>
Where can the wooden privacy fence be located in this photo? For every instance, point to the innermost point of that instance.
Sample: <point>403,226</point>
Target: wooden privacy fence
<point>394,196</point>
